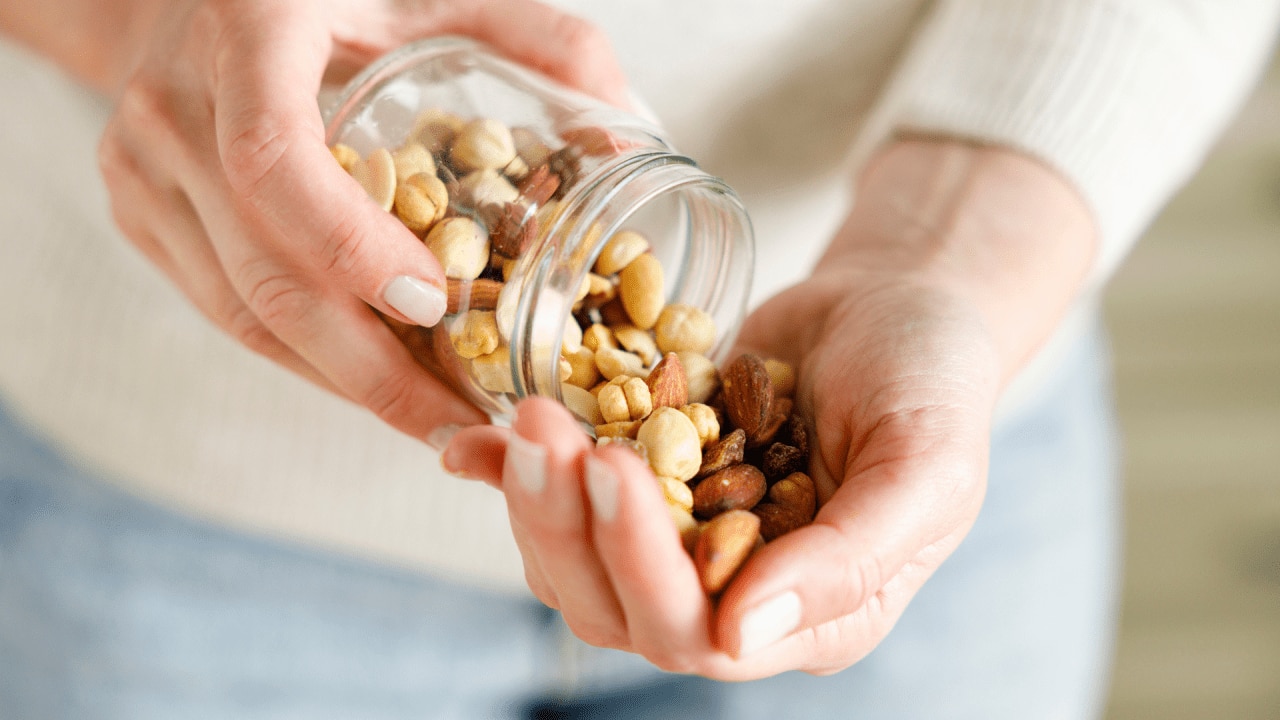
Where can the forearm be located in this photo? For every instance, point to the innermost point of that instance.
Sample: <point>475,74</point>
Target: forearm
<point>991,225</point>
<point>89,39</point>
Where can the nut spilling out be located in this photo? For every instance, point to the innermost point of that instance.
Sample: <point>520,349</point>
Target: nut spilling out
<point>725,447</point>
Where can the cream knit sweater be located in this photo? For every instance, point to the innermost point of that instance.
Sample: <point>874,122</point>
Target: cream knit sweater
<point>103,356</point>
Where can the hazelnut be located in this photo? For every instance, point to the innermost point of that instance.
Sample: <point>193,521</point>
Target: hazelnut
<point>704,419</point>
<point>684,328</point>
<point>421,201</point>
<point>482,144</point>
<point>701,376</point>
<point>411,159</point>
<point>672,442</point>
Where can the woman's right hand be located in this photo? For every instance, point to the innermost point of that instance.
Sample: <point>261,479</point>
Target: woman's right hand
<point>217,168</point>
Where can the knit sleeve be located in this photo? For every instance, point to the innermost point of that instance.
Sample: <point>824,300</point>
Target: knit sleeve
<point>1123,97</point>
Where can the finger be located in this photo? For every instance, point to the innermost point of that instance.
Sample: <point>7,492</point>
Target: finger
<point>271,143</point>
<point>563,46</point>
<point>667,612</point>
<point>544,488</point>
<point>333,331</point>
<point>163,225</point>
<point>477,453</point>
<point>914,509</point>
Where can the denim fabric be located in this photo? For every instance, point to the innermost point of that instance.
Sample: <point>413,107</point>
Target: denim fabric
<point>113,608</point>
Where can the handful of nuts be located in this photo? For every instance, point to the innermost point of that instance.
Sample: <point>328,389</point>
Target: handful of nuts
<point>727,450</point>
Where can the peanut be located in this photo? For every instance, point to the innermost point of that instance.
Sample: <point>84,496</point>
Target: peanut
<point>421,201</point>
<point>621,249</point>
<point>704,419</point>
<point>641,287</point>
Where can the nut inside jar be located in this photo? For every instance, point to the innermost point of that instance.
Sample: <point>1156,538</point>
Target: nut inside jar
<point>631,366</point>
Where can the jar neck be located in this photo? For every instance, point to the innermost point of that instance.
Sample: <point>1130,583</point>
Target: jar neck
<point>696,225</point>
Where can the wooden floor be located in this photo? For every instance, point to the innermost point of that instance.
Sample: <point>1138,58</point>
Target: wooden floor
<point>1195,315</point>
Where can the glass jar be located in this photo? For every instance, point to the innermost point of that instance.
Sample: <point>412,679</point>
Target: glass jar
<point>582,172</point>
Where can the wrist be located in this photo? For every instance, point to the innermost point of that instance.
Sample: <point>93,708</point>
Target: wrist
<point>990,226</point>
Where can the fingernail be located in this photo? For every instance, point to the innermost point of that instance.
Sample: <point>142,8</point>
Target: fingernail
<point>769,622</point>
<point>416,299</point>
<point>602,488</point>
<point>527,460</point>
<point>440,437</point>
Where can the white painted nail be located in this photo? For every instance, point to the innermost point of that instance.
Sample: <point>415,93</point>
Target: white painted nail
<point>602,488</point>
<point>416,299</point>
<point>769,622</point>
<point>527,461</point>
<point>440,437</point>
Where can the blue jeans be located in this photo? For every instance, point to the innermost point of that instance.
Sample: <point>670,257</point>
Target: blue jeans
<point>111,607</point>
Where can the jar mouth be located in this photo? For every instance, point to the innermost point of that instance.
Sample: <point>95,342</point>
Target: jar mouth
<point>696,224</point>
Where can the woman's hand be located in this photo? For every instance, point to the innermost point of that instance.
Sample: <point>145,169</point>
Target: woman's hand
<point>217,168</point>
<point>903,339</point>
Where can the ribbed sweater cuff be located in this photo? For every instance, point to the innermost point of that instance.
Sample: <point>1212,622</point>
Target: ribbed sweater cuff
<point>1122,97</point>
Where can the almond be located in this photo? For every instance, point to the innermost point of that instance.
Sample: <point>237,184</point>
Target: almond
<point>473,295</point>
<point>539,185</point>
<point>737,487</point>
<point>723,545</point>
<point>511,227</point>
<point>747,394</point>
<point>667,383</point>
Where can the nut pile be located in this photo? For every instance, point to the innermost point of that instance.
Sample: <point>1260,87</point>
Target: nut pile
<point>733,468</point>
<point>727,450</point>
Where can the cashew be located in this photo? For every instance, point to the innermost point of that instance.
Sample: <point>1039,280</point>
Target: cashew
<point>581,403</point>
<point>461,246</point>
<point>474,333</point>
<point>613,363</point>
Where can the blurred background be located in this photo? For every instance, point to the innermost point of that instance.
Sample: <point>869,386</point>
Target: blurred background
<point>1195,318</point>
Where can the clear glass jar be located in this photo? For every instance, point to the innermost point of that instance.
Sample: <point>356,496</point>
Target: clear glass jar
<point>613,171</point>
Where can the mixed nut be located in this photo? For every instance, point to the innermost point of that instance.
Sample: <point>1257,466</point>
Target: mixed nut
<point>727,450</point>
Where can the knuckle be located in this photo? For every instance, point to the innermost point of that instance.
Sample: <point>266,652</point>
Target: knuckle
<point>245,327</point>
<point>598,634</point>
<point>343,247</point>
<point>254,148</point>
<point>392,397</point>
<point>278,299</point>
<point>578,35</point>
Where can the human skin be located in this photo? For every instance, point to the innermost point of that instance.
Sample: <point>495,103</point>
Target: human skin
<point>953,267</point>
<point>217,168</point>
